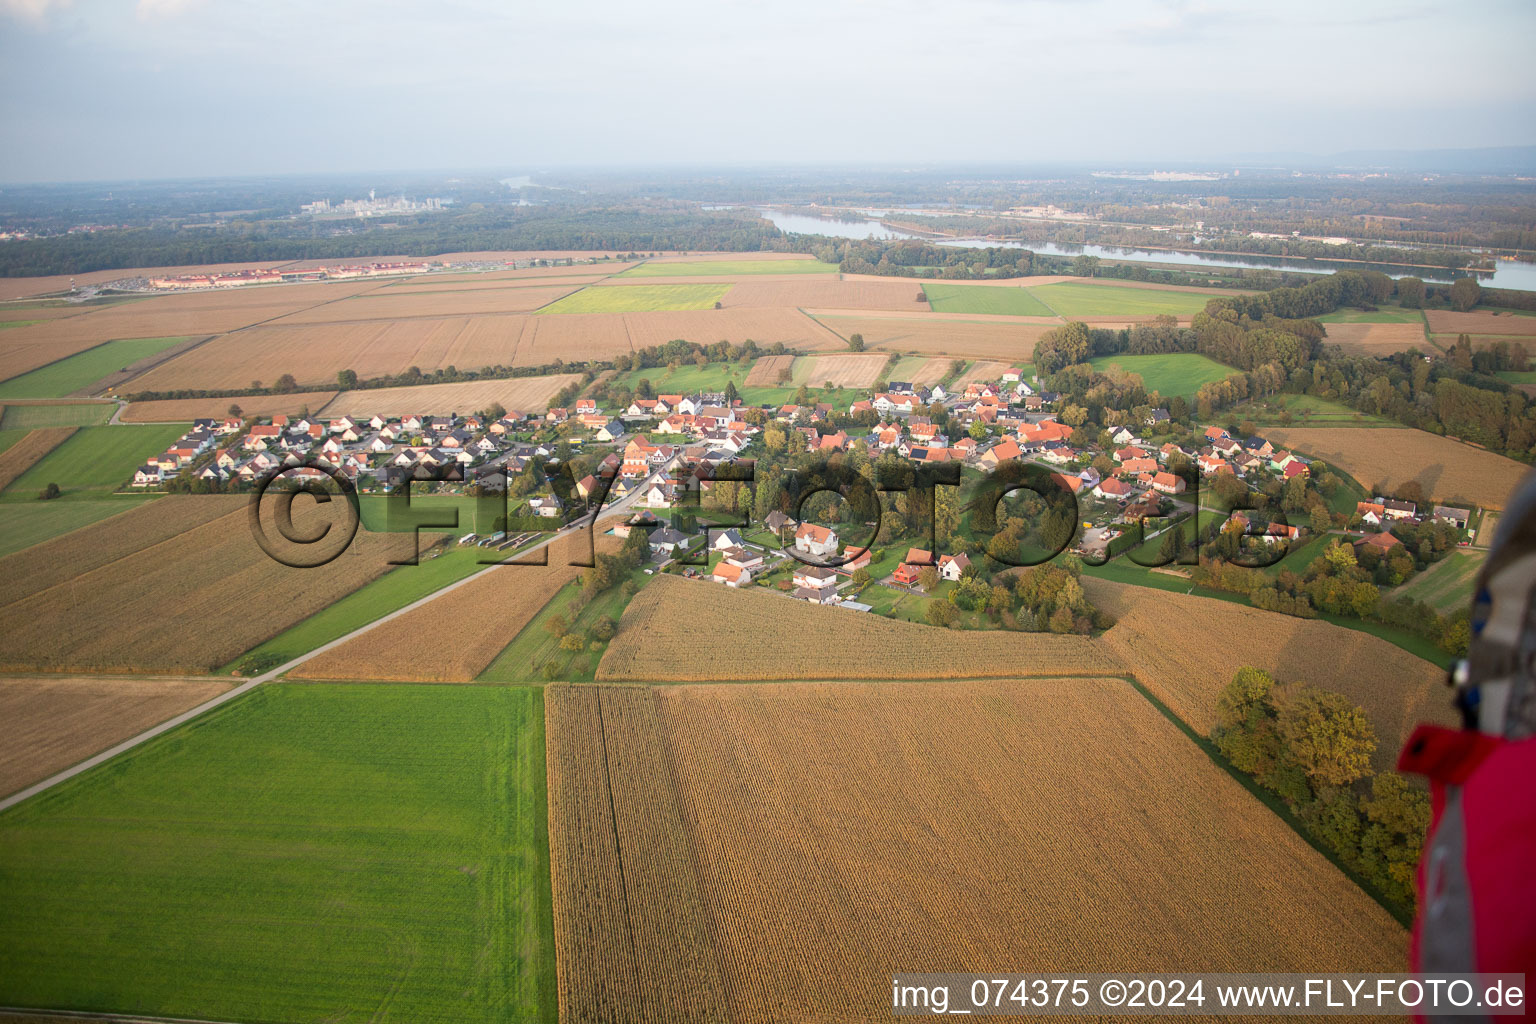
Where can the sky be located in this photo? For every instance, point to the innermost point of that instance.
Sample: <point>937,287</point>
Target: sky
<point>143,89</point>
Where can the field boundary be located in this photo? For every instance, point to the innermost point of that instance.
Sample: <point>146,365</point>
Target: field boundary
<point>142,366</point>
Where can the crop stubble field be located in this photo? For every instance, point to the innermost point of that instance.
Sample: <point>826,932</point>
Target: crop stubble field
<point>481,618</point>
<point>29,451</point>
<point>524,394</point>
<point>1181,648</point>
<point>685,630</point>
<point>765,372</point>
<point>1368,339</point>
<point>941,336</point>
<point>52,722</point>
<point>176,586</point>
<point>1444,321</point>
<point>1448,470</point>
<point>833,294</point>
<point>183,410</point>
<point>823,835</point>
<point>849,371</point>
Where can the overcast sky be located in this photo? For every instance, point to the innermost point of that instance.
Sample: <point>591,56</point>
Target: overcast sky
<point>105,89</point>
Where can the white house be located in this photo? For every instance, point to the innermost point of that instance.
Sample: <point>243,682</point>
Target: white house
<point>816,540</point>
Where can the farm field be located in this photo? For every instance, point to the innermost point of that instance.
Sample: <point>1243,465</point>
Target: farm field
<point>182,410</point>
<point>534,647</point>
<point>1443,321</point>
<point>1448,470</point>
<point>658,639</point>
<point>728,268</point>
<point>936,337</point>
<point>848,371</point>
<point>35,415</point>
<point>83,368</point>
<point>393,304</point>
<point>639,298</point>
<point>689,378</point>
<point>1382,315</point>
<point>53,722</point>
<point>23,524</point>
<point>1187,665</point>
<point>182,596</point>
<point>766,369</point>
<point>339,853</point>
<point>1368,339</point>
<point>482,617</point>
<point>1307,410</point>
<point>395,589</point>
<point>525,394</point>
<point>773,846</point>
<point>1077,299</point>
<point>29,451</point>
<point>96,460</point>
<point>959,298</point>
<point>829,293</point>
<point>1487,530</point>
<point>1447,585</point>
<point>920,370</point>
<point>983,371</point>
<point>706,326</point>
<point>1176,373</point>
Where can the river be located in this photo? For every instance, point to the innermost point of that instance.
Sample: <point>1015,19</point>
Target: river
<point>1507,273</point>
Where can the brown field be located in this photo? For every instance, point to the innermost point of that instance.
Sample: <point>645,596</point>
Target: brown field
<point>315,353</point>
<point>1448,470</point>
<point>931,372</point>
<point>170,602</point>
<point>180,410</point>
<point>765,372</point>
<point>1443,321</point>
<point>29,451</point>
<point>573,337</point>
<point>678,629</point>
<point>1487,529</point>
<point>965,318</point>
<point>762,853</point>
<point>1378,339</point>
<point>22,287</point>
<point>929,337</point>
<point>848,371</point>
<point>706,326</point>
<point>517,393</point>
<point>53,722</point>
<point>817,290</point>
<point>400,305</point>
<point>987,370</point>
<point>490,282</point>
<point>163,316</point>
<point>1182,648</point>
<point>453,638</point>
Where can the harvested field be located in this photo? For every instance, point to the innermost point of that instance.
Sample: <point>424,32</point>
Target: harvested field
<point>640,298</point>
<point>849,371</point>
<point>181,410</point>
<point>929,373</point>
<point>29,451</point>
<point>722,853</point>
<point>991,340</point>
<point>576,337</point>
<point>706,326</point>
<point>315,353</point>
<point>816,290</point>
<point>474,623</point>
<point>1180,647</point>
<point>399,305</point>
<point>489,282</point>
<point>517,393</point>
<point>983,370</point>
<point>678,629</point>
<point>1378,339</point>
<point>178,602</point>
<point>1448,470</point>
<point>675,269</point>
<point>53,722</point>
<point>1442,321</point>
<point>765,372</point>
<point>1487,530</point>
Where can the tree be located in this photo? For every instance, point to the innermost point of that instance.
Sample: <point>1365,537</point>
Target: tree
<point>978,430</point>
<point>604,629</point>
<point>235,410</point>
<point>856,343</point>
<point>286,384</point>
<point>556,626</point>
<point>941,613</point>
<point>860,578</point>
<point>1410,292</point>
<point>1465,293</point>
<point>1326,736</point>
<point>49,493</point>
<point>573,642</point>
<point>346,379</point>
<point>928,578</point>
<point>731,394</point>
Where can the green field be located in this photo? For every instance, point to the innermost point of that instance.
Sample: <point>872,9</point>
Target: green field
<point>1445,586</point>
<point>999,299</point>
<point>376,515</point>
<point>23,524</point>
<point>524,658</point>
<point>96,460</point>
<point>76,414</point>
<point>10,437</point>
<point>350,854</point>
<point>688,378</point>
<point>639,298</point>
<point>1073,298</point>
<point>1518,376</point>
<point>732,268</point>
<point>394,590</point>
<point>1175,373</point>
<point>17,323</point>
<point>1382,315</point>
<point>84,368</point>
